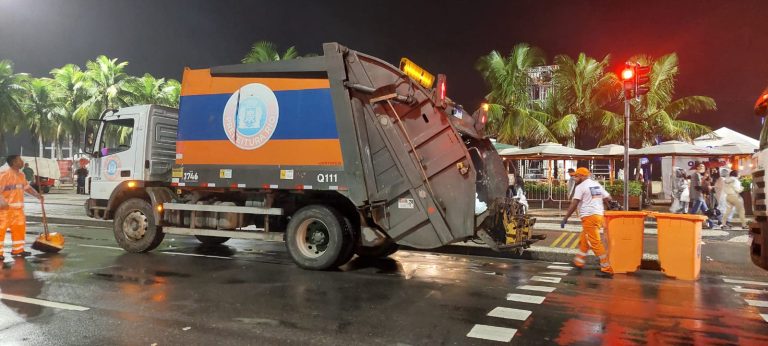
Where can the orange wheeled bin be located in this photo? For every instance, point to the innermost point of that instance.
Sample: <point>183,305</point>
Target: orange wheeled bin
<point>624,235</point>
<point>680,244</point>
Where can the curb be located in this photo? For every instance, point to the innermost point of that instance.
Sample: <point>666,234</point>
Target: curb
<point>67,221</point>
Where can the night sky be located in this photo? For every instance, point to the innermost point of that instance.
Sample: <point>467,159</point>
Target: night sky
<point>722,45</point>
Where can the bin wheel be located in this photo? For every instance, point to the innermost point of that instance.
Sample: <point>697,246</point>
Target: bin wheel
<point>211,240</point>
<point>318,238</point>
<point>135,227</point>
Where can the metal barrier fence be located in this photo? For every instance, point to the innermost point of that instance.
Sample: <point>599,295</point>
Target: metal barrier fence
<point>551,190</point>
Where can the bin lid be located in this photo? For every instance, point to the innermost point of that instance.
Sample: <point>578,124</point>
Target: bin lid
<point>689,217</point>
<point>622,213</point>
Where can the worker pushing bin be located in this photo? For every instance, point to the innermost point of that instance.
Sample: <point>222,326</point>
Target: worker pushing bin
<point>624,231</point>
<point>680,244</point>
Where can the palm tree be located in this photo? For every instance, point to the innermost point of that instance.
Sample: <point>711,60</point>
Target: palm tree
<point>171,93</point>
<point>39,106</point>
<point>69,88</point>
<point>265,51</point>
<point>150,90</point>
<point>106,85</point>
<point>656,115</point>
<point>583,91</point>
<point>11,114</point>
<point>512,117</point>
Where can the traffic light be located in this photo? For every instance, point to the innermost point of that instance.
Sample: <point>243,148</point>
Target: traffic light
<point>641,80</point>
<point>628,75</point>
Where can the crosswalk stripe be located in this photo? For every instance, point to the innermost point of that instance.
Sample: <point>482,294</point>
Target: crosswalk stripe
<point>481,331</point>
<point>749,290</point>
<point>555,273</point>
<point>567,241</point>
<point>557,241</point>
<point>546,279</point>
<point>758,303</point>
<point>747,282</point>
<point>525,298</point>
<point>41,302</point>
<point>510,314</point>
<point>560,267</point>
<point>537,288</point>
<point>765,317</point>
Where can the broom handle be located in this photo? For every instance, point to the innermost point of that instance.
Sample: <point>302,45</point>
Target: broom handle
<point>42,204</point>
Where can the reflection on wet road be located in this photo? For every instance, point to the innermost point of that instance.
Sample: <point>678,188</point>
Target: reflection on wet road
<point>248,292</point>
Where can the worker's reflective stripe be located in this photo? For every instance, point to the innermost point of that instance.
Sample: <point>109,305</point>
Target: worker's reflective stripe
<point>603,256</point>
<point>605,265</point>
<point>579,260</point>
<point>19,248</point>
<point>581,253</point>
<point>17,242</point>
<point>13,187</point>
<point>16,205</point>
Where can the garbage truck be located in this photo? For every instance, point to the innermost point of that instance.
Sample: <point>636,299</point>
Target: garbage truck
<point>758,230</point>
<point>336,155</point>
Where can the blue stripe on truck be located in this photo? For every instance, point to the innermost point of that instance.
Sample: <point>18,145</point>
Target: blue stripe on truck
<point>304,114</point>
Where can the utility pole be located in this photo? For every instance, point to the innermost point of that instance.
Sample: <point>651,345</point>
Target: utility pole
<point>636,79</point>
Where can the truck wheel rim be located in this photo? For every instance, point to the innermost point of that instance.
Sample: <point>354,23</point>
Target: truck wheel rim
<point>312,238</point>
<point>135,225</point>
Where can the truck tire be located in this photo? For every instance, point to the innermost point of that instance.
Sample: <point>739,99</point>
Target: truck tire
<point>350,236</point>
<point>318,238</point>
<point>135,227</point>
<point>211,240</point>
<point>384,250</point>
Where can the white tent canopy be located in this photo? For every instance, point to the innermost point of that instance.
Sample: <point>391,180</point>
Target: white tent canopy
<point>550,151</point>
<point>508,151</point>
<point>677,148</point>
<point>737,148</point>
<point>610,150</point>
<point>724,136</point>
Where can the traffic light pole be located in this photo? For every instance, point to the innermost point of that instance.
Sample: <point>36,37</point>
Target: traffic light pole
<point>626,154</point>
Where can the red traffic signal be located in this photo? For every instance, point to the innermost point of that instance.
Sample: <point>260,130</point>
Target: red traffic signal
<point>627,73</point>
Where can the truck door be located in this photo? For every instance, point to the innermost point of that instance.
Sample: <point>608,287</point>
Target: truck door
<point>115,156</point>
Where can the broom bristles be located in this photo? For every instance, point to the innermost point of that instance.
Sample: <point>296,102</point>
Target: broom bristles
<point>44,246</point>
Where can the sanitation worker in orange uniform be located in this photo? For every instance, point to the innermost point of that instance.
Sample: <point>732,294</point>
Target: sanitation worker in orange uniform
<point>588,197</point>
<point>13,183</point>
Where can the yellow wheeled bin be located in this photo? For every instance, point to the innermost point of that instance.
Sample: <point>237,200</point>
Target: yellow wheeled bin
<point>680,244</point>
<point>624,235</point>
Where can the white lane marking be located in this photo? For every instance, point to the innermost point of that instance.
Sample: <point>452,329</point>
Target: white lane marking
<point>560,267</point>
<point>510,314</point>
<point>748,290</point>
<point>41,302</point>
<point>164,252</point>
<point>758,303</point>
<point>559,263</point>
<point>193,254</point>
<point>101,247</point>
<point>537,288</point>
<point>747,282</point>
<point>555,273</point>
<point>765,317</point>
<point>481,331</point>
<point>546,279</point>
<point>739,239</point>
<point>525,298</point>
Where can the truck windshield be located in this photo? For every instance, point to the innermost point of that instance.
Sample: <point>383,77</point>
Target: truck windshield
<point>116,136</point>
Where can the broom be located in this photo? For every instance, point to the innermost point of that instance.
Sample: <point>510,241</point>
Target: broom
<point>51,242</point>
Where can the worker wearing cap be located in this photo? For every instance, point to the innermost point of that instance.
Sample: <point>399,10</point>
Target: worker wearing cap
<point>13,183</point>
<point>588,197</point>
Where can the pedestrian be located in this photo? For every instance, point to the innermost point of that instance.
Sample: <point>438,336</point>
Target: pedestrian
<point>29,173</point>
<point>719,194</point>
<point>81,174</point>
<point>571,182</point>
<point>677,180</point>
<point>588,198</point>
<point>685,196</point>
<point>13,184</point>
<point>698,189</point>
<point>733,199</point>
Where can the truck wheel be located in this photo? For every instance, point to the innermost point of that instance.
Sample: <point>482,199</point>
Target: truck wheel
<point>211,240</point>
<point>318,238</point>
<point>135,227</point>
<point>380,251</point>
<point>350,239</point>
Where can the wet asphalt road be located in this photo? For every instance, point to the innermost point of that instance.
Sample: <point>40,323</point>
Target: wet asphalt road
<point>251,293</point>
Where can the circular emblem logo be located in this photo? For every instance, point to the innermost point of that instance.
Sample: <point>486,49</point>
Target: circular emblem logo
<point>112,168</point>
<point>250,116</point>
